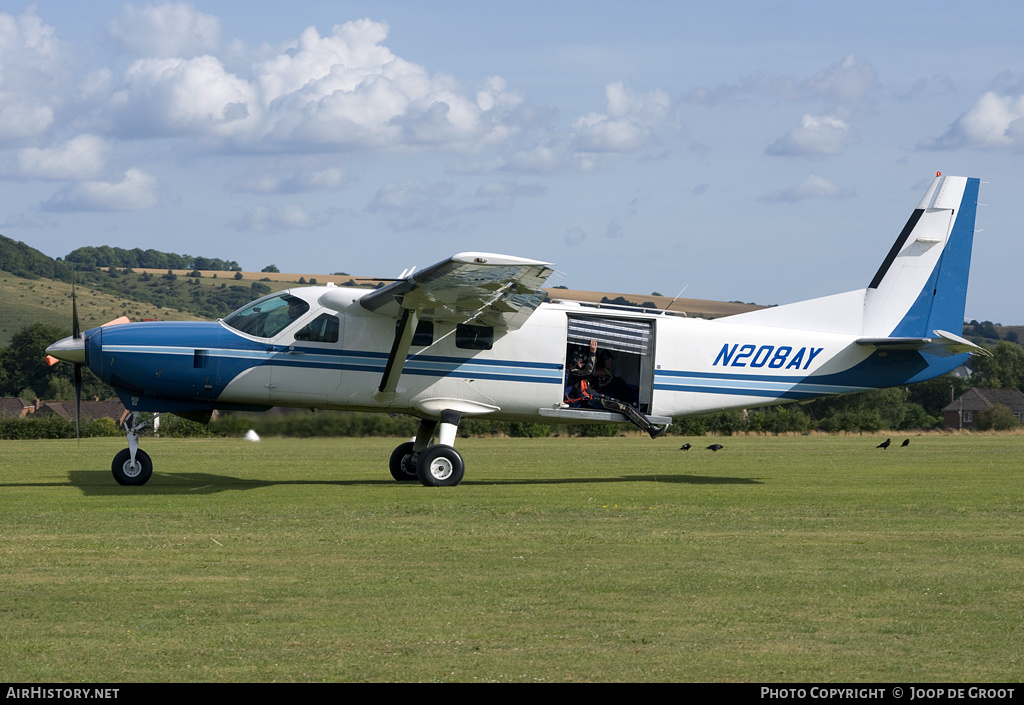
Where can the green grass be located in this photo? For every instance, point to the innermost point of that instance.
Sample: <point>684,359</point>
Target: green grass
<point>815,559</point>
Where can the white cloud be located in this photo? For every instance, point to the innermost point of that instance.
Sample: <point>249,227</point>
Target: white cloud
<point>349,90</point>
<point>816,135</point>
<point>289,181</point>
<point>80,158</point>
<point>34,67</point>
<point>845,85</point>
<point>178,96</point>
<point>23,117</point>
<point>263,219</point>
<point>630,122</point>
<point>502,196</point>
<point>165,31</point>
<point>414,205</point>
<point>994,122</point>
<point>812,187</point>
<point>137,191</point>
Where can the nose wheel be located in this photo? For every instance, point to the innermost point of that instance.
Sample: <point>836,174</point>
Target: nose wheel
<point>132,472</point>
<point>132,465</point>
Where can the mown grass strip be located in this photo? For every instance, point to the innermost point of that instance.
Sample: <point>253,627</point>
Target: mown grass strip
<point>776,559</point>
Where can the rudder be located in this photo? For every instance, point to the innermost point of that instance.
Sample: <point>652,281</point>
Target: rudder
<point>921,286</point>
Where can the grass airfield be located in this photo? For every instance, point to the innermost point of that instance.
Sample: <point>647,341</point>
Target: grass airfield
<point>778,559</point>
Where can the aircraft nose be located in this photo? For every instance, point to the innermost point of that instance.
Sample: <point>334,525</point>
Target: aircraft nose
<point>69,349</point>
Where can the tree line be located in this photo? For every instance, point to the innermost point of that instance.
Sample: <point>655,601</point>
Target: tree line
<point>104,257</point>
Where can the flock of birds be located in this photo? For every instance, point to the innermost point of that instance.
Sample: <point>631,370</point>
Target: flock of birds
<point>718,446</point>
<point>904,444</point>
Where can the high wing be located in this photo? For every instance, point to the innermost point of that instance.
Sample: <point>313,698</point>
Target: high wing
<point>477,288</point>
<point>470,287</point>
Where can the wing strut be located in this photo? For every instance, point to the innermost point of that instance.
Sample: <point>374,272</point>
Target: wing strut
<point>399,351</point>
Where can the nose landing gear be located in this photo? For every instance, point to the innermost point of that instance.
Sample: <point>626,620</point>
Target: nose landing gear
<point>132,466</point>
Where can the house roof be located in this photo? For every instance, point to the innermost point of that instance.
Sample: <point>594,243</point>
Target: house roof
<point>13,406</point>
<point>979,399</point>
<point>91,410</point>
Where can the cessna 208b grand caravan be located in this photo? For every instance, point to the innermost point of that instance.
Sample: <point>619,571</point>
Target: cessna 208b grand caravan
<point>474,336</point>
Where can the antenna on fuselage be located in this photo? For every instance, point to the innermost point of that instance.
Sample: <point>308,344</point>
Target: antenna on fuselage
<point>676,297</point>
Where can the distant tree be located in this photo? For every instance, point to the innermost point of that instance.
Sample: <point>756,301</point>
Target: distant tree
<point>24,360</point>
<point>238,275</point>
<point>272,268</point>
<point>1004,369</point>
<point>985,329</point>
<point>996,418</point>
<point>936,393</point>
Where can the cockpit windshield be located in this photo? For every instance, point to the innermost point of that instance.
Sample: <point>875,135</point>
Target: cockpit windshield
<point>268,316</point>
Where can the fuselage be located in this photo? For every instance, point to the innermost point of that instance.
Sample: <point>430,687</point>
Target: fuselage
<point>334,358</point>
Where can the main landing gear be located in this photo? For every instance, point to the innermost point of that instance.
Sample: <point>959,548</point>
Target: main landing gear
<point>437,465</point>
<point>132,465</point>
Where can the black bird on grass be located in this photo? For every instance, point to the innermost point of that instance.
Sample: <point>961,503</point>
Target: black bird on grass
<point>886,444</point>
<point>715,447</point>
<point>905,443</point>
<point>685,446</point>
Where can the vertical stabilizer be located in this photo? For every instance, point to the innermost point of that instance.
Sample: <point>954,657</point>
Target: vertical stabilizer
<point>921,286</point>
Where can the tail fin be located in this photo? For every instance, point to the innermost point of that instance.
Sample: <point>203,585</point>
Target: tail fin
<point>921,286</point>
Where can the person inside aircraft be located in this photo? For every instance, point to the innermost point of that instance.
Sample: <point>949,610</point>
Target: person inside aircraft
<point>605,382</point>
<point>580,393</point>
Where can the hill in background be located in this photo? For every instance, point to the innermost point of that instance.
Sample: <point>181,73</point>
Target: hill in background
<point>37,288</point>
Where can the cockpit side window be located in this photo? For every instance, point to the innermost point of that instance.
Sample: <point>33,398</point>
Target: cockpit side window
<point>323,329</point>
<point>265,318</point>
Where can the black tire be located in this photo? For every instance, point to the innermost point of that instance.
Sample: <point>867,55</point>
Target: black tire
<point>403,463</point>
<point>125,474</point>
<point>440,466</point>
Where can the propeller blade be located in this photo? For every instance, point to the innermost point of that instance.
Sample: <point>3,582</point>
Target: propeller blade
<point>51,360</point>
<point>78,402</point>
<point>76,329</point>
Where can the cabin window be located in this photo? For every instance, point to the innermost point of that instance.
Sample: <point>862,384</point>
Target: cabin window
<point>323,329</point>
<point>474,337</point>
<point>268,316</point>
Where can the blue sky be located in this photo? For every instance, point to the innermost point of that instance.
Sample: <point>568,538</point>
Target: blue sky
<point>752,151</point>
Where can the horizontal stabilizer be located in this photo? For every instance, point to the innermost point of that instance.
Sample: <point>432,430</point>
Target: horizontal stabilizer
<point>944,344</point>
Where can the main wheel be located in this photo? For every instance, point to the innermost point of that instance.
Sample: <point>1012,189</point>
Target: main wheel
<point>440,466</point>
<point>127,473</point>
<point>403,463</point>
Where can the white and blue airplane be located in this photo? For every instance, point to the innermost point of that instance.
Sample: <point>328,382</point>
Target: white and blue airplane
<point>474,336</point>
